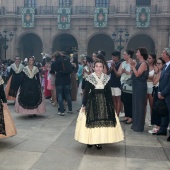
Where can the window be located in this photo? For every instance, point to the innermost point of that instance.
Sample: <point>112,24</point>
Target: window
<point>30,3</point>
<point>101,3</point>
<point>143,2</point>
<point>64,3</point>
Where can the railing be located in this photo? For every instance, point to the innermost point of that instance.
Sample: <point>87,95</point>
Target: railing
<point>85,10</point>
<point>154,9</point>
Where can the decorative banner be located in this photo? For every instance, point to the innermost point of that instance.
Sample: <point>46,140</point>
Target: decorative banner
<point>64,18</point>
<point>28,17</point>
<point>143,17</point>
<point>100,17</point>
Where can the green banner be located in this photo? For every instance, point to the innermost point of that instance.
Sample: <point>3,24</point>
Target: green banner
<point>28,17</point>
<point>143,17</point>
<point>64,18</point>
<point>100,17</point>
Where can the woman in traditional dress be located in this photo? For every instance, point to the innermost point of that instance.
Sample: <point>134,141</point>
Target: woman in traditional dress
<point>97,122</point>
<point>15,79</point>
<point>30,99</point>
<point>47,92</point>
<point>7,127</point>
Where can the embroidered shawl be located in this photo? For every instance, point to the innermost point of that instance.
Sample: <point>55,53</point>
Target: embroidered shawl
<point>30,73</point>
<point>18,69</point>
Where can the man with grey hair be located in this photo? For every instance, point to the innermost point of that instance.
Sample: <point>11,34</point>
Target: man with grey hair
<point>164,91</point>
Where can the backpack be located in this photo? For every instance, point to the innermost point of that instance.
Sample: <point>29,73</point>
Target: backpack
<point>66,66</point>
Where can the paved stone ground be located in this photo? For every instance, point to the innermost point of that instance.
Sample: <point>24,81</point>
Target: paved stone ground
<point>47,143</point>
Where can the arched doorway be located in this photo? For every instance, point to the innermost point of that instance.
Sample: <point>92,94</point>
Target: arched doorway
<point>101,42</point>
<point>65,42</point>
<point>30,45</point>
<point>141,40</point>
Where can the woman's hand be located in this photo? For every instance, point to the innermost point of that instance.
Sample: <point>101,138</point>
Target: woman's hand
<point>132,63</point>
<point>5,106</point>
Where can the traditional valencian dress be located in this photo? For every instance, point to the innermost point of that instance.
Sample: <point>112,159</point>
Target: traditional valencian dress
<point>15,79</point>
<point>7,127</point>
<point>29,98</point>
<point>99,124</point>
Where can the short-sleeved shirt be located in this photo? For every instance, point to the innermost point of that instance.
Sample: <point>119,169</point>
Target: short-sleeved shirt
<point>114,80</point>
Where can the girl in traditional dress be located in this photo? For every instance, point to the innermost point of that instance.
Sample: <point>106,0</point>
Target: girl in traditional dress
<point>97,122</point>
<point>15,79</point>
<point>30,99</point>
<point>7,127</point>
<point>47,92</point>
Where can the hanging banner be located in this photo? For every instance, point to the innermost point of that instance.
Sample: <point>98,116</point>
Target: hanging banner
<point>64,15</point>
<point>143,17</point>
<point>28,15</point>
<point>100,17</point>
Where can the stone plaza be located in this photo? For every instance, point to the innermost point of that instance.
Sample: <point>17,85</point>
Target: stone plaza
<point>47,143</point>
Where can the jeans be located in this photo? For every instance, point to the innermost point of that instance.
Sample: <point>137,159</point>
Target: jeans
<point>63,91</point>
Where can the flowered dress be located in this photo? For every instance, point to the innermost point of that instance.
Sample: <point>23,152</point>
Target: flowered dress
<point>30,99</point>
<point>7,127</point>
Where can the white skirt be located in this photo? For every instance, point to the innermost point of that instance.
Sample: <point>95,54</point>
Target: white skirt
<point>98,135</point>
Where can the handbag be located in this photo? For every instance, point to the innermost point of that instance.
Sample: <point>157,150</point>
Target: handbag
<point>160,108</point>
<point>127,86</point>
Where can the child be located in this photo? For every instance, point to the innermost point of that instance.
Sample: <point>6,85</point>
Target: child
<point>97,122</point>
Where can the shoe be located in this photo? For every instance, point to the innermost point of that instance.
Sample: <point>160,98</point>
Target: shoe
<point>125,120</point>
<point>34,115</point>
<point>70,112</point>
<point>48,97</point>
<point>62,114</point>
<point>99,147</point>
<point>128,123</point>
<point>153,131</point>
<point>150,125</point>
<point>54,104</point>
<point>161,133</point>
<point>168,139</point>
<point>89,146</point>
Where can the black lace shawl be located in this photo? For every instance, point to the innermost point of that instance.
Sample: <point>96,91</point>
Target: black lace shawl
<point>2,98</point>
<point>99,106</point>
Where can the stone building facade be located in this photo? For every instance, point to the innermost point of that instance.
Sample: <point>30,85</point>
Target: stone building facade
<point>82,35</point>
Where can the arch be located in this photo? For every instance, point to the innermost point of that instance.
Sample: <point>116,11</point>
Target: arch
<point>30,44</point>
<point>141,40</point>
<point>102,42</point>
<point>65,42</point>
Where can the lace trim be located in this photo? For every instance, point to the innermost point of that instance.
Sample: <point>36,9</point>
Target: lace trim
<point>92,78</point>
<point>30,73</point>
<point>17,69</point>
<point>105,80</point>
<point>1,81</point>
<point>100,110</point>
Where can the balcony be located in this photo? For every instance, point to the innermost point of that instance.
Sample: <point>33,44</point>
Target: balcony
<point>84,10</point>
